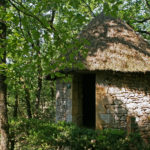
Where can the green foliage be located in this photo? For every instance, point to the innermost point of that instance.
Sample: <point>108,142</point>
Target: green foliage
<point>40,37</point>
<point>43,135</point>
<point>37,45</point>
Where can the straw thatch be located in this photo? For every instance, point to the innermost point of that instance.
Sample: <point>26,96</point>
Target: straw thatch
<point>114,45</point>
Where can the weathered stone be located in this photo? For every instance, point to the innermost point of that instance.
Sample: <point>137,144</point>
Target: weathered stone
<point>116,118</point>
<point>145,105</point>
<point>63,102</point>
<point>117,102</point>
<point>107,118</point>
<point>139,112</point>
<point>147,111</point>
<point>131,106</point>
<point>120,110</point>
<point>117,95</point>
<point>123,118</point>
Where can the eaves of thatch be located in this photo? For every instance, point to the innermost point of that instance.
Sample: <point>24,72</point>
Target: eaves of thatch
<point>114,45</point>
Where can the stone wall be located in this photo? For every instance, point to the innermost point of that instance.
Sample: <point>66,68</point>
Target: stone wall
<point>123,101</point>
<point>63,101</point>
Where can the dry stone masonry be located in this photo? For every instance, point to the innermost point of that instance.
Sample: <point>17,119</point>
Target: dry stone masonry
<point>123,101</point>
<point>63,101</point>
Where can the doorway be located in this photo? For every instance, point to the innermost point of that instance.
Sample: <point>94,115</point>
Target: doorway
<point>88,100</point>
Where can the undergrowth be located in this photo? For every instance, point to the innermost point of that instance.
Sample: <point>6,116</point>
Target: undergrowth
<point>43,135</point>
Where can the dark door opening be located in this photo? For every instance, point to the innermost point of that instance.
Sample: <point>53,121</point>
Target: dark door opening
<point>88,105</point>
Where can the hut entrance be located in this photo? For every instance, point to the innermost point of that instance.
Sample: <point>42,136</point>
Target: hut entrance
<point>88,100</point>
<point>83,100</point>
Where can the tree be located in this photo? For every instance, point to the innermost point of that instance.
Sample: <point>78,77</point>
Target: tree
<point>3,87</point>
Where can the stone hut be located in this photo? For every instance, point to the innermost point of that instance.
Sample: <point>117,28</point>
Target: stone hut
<point>113,88</point>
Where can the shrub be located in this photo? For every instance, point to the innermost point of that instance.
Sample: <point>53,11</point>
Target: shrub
<point>43,135</point>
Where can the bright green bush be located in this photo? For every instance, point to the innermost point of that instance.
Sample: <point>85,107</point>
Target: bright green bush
<point>43,135</point>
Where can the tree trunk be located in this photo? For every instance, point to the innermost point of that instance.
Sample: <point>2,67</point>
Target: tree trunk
<point>4,128</point>
<point>15,115</point>
<point>16,106</point>
<point>39,71</point>
<point>27,98</point>
<point>38,94</point>
<point>52,90</point>
<point>3,114</point>
<point>39,88</point>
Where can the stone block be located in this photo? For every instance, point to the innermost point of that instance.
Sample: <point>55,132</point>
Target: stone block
<point>121,110</point>
<point>131,106</point>
<point>106,118</point>
<point>147,111</point>
<point>116,118</point>
<point>139,112</point>
<point>110,99</point>
<point>123,118</point>
<point>117,102</point>
<point>101,108</point>
<point>145,105</point>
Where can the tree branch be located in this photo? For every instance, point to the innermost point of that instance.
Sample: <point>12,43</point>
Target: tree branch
<point>148,5</point>
<point>142,21</point>
<point>88,6</point>
<point>29,14</point>
<point>53,16</point>
<point>20,25</point>
<point>25,12</point>
<point>145,32</point>
<point>52,20</point>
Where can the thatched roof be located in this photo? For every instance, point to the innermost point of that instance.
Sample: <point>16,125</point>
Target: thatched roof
<point>114,45</point>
